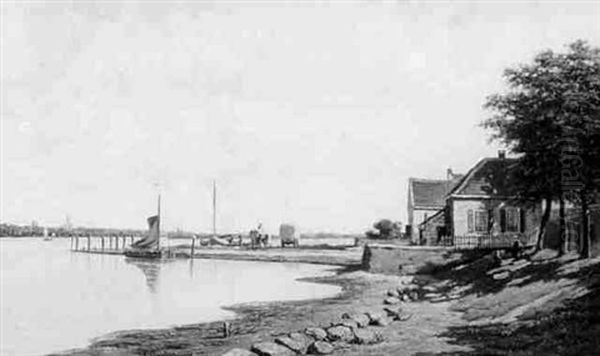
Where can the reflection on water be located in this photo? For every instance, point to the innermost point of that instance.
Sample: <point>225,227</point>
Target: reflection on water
<point>150,269</point>
<point>52,299</point>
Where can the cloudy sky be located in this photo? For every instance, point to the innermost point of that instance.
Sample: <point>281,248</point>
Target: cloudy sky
<point>315,113</point>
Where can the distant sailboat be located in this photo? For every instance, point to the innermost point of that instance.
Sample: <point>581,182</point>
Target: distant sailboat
<point>46,236</point>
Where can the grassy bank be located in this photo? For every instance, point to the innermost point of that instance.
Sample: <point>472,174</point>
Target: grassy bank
<point>527,306</point>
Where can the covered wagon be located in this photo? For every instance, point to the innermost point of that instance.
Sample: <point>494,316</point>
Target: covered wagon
<point>289,235</point>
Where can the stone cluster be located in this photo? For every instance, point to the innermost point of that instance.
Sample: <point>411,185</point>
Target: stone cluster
<point>351,328</point>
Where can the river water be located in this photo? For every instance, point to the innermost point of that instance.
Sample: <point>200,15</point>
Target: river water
<point>53,299</point>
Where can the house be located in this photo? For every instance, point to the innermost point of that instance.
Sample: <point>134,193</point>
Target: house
<point>479,212</point>
<point>426,197</point>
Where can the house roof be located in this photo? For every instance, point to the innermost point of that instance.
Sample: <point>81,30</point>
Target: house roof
<point>430,193</point>
<point>488,177</point>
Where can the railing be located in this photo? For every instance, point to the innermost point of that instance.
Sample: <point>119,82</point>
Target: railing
<point>480,241</point>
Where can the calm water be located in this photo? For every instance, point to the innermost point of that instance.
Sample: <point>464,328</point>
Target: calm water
<point>52,299</point>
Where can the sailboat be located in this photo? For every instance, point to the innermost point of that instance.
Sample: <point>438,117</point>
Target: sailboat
<point>149,246</point>
<point>46,236</point>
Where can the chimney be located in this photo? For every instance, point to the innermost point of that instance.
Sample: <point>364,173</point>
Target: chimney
<point>501,154</point>
<point>449,174</point>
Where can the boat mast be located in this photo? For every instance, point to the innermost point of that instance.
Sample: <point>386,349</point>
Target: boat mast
<point>214,209</point>
<point>158,223</point>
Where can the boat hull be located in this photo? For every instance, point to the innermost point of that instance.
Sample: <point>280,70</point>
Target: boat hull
<point>147,254</point>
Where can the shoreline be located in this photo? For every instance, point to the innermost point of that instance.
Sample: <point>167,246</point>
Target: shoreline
<point>264,321</point>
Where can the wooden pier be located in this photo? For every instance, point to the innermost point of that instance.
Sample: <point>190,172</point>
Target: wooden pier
<point>109,245</point>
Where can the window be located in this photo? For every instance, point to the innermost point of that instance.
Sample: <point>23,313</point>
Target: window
<point>478,221</point>
<point>481,221</point>
<point>470,221</point>
<point>513,217</point>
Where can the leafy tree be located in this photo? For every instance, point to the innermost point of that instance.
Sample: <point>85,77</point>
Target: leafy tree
<point>388,229</point>
<point>550,117</point>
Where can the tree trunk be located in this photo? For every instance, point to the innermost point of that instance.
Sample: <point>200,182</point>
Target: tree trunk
<point>585,228</point>
<point>562,248</point>
<point>543,223</point>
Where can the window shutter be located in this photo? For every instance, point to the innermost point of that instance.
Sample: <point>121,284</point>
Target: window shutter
<point>522,220</point>
<point>503,220</point>
<point>470,220</point>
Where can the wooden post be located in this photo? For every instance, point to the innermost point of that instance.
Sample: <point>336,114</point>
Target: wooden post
<point>124,241</point>
<point>131,242</point>
<point>72,242</point>
<point>89,242</point>
<point>102,243</point>
<point>116,242</point>
<point>193,247</point>
<point>76,243</point>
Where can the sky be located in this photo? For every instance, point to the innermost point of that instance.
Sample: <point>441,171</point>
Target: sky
<point>314,113</point>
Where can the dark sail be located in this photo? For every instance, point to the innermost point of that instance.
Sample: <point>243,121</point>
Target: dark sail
<point>153,234</point>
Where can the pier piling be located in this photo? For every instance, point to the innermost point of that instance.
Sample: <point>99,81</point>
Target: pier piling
<point>193,247</point>
<point>102,243</point>
<point>76,243</point>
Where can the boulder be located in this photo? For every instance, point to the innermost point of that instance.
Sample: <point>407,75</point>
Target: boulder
<point>239,352</point>
<point>348,323</point>
<point>340,333</point>
<point>397,314</point>
<point>320,348</point>
<point>316,333</point>
<point>405,298</point>
<point>378,319</point>
<point>302,338</point>
<point>414,295</point>
<point>271,349</point>
<point>295,344</point>
<point>366,336</point>
<point>361,319</point>
<point>391,300</point>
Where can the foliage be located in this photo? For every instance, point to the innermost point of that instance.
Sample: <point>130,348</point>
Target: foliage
<point>550,117</point>
<point>386,229</point>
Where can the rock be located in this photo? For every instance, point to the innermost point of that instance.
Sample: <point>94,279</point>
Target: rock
<point>397,314</point>
<point>302,338</point>
<point>378,319</point>
<point>316,333</point>
<point>320,348</point>
<point>366,336</point>
<point>392,311</point>
<point>393,293</point>
<point>432,295</point>
<point>348,323</point>
<point>414,295</point>
<point>239,352</point>
<point>361,319</point>
<point>391,300</point>
<point>501,276</point>
<point>271,349</point>
<point>405,298</point>
<point>340,333</point>
<point>297,344</point>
